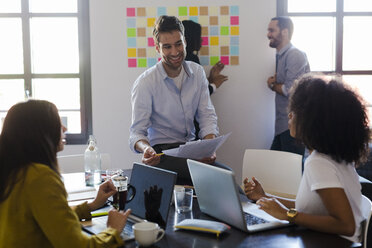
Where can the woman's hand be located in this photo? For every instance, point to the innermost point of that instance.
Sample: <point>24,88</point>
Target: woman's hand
<point>273,207</point>
<point>253,189</point>
<point>105,190</point>
<point>117,219</point>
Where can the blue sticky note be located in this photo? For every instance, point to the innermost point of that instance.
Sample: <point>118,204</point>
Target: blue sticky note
<point>204,60</point>
<point>131,22</point>
<point>194,19</point>
<point>161,11</point>
<point>151,62</point>
<point>234,10</point>
<point>132,42</point>
<point>234,40</point>
<point>213,30</point>
<point>234,50</point>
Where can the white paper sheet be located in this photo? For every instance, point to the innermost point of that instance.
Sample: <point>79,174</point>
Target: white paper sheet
<point>197,149</point>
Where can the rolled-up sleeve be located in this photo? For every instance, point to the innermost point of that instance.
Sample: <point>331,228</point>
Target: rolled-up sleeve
<point>296,65</point>
<point>141,113</point>
<point>206,114</point>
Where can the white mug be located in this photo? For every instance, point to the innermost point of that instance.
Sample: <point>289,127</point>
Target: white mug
<point>147,233</point>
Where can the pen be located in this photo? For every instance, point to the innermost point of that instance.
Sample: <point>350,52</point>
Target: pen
<point>159,154</point>
<point>99,214</point>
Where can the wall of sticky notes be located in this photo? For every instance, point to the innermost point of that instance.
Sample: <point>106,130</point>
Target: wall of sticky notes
<point>220,33</point>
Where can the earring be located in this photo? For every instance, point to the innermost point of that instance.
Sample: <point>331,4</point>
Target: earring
<point>195,52</point>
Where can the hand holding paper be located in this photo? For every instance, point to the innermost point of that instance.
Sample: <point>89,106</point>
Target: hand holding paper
<point>198,149</point>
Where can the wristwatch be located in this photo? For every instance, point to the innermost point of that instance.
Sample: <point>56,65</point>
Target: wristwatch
<point>272,85</point>
<point>291,214</point>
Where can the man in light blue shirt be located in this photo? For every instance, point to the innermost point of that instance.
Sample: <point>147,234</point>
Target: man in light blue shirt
<point>291,63</point>
<point>165,100</point>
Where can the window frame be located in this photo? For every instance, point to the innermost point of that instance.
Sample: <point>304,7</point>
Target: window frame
<point>282,10</point>
<point>84,74</point>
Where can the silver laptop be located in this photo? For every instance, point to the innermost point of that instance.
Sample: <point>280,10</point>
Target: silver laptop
<point>218,197</point>
<point>154,184</point>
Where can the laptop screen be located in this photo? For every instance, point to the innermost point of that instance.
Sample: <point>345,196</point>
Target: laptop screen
<point>154,189</point>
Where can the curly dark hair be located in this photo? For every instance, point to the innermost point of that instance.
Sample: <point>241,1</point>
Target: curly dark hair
<point>167,24</point>
<point>330,117</point>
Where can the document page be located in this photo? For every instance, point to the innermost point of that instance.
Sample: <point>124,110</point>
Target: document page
<point>198,149</point>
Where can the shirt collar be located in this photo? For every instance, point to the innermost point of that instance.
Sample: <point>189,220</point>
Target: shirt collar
<point>163,73</point>
<point>284,49</point>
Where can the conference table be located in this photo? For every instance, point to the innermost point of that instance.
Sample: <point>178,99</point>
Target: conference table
<point>288,237</point>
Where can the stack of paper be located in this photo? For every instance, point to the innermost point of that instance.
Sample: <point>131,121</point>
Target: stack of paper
<point>197,149</point>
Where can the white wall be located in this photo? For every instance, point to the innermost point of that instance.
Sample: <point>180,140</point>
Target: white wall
<point>244,104</point>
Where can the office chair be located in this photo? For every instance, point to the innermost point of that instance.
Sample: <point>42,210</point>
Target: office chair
<point>367,209</point>
<point>278,172</point>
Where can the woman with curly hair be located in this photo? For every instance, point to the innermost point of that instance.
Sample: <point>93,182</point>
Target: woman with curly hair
<point>331,121</point>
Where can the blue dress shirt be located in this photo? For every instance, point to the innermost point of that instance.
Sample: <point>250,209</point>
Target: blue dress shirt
<point>291,64</point>
<point>162,114</point>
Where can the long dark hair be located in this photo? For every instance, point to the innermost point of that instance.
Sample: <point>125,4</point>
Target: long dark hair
<point>330,117</point>
<point>31,134</point>
<point>192,35</point>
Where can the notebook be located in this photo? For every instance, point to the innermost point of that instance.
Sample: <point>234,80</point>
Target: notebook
<point>154,189</point>
<point>218,197</point>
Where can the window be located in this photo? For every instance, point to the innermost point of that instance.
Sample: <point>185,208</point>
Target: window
<point>45,55</point>
<point>334,34</point>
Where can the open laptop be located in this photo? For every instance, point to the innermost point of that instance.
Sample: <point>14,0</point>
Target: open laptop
<point>154,183</point>
<point>218,197</point>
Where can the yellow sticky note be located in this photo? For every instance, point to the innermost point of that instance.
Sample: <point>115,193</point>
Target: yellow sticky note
<point>132,52</point>
<point>234,31</point>
<point>150,22</point>
<point>193,11</point>
<point>213,40</point>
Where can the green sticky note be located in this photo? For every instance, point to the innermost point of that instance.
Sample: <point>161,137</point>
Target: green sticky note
<point>182,11</point>
<point>131,32</point>
<point>224,30</point>
<point>214,60</point>
<point>142,63</point>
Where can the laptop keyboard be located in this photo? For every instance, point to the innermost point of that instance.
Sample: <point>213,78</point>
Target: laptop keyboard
<point>128,230</point>
<point>253,220</point>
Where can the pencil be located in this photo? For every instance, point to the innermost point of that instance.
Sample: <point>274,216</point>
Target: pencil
<point>159,154</point>
<point>99,214</point>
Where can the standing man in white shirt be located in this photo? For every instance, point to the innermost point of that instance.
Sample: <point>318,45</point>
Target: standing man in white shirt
<point>165,100</point>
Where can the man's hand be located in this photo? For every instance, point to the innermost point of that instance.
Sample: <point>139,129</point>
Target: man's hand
<point>149,156</point>
<point>209,160</point>
<point>271,80</point>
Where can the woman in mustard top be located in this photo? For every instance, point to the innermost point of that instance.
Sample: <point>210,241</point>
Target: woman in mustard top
<point>33,200</point>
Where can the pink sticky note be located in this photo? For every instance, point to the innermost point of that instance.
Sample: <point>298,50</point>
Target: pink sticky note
<point>225,60</point>
<point>131,12</point>
<point>234,20</point>
<point>132,62</point>
<point>205,41</point>
<point>150,42</point>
